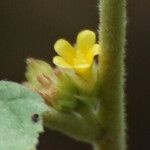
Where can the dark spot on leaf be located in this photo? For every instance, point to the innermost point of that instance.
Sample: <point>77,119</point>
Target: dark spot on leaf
<point>35,118</point>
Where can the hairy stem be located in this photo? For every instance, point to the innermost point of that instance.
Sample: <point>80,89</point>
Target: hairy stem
<point>71,124</point>
<point>111,63</point>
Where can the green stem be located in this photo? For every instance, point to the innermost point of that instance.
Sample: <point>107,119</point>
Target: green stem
<point>71,124</point>
<point>112,37</point>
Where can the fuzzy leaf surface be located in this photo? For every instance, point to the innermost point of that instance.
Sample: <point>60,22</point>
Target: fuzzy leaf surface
<point>20,117</point>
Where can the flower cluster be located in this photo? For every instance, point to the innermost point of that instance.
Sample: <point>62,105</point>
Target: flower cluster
<point>74,76</point>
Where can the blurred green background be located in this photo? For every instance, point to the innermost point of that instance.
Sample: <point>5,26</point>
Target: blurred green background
<point>29,28</point>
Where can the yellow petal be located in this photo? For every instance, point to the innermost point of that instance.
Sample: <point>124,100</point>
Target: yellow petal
<point>85,40</point>
<point>82,66</point>
<point>93,52</point>
<point>65,50</point>
<point>96,49</point>
<point>59,61</point>
<point>83,70</point>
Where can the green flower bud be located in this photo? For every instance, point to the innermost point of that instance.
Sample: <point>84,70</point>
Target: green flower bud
<point>36,68</point>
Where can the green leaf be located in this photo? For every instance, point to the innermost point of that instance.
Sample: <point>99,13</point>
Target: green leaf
<point>19,122</point>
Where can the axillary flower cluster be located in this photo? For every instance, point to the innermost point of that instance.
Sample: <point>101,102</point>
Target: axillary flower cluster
<point>75,71</point>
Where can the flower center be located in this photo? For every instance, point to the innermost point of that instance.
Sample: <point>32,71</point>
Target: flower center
<point>80,58</point>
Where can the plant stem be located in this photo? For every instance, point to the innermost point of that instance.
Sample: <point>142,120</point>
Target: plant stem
<point>71,124</point>
<point>112,37</point>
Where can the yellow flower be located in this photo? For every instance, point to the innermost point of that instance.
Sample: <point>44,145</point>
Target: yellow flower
<point>80,57</point>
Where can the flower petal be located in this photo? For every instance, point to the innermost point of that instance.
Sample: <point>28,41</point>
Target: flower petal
<point>83,70</point>
<point>82,66</point>
<point>85,40</point>
<point>93,52</point>
<point>96,49</point>
<point>65,50</point>
<point>59,61</point>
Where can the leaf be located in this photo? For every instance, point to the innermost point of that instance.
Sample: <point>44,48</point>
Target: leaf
<point>19,122</point>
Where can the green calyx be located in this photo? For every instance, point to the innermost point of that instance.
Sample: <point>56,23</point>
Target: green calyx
<point>62,89</point>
